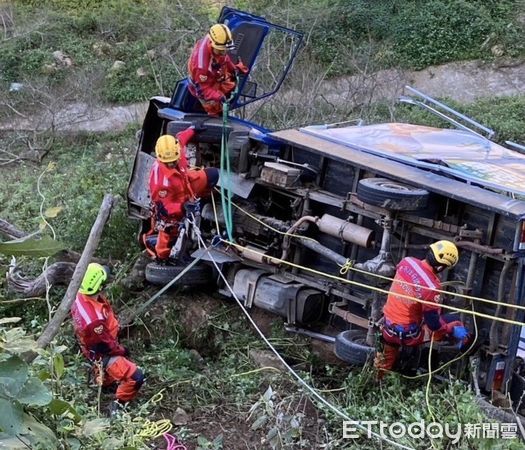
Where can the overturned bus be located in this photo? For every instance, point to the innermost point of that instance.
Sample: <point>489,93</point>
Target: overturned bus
<point>318,217</point>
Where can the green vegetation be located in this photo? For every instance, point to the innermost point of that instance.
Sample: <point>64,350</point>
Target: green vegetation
<point>84,168</point>
<point>414,34</point>
<point>150,37</point>
<point>153,38</point>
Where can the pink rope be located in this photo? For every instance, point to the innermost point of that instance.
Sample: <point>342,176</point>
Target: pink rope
<point>173,443</point>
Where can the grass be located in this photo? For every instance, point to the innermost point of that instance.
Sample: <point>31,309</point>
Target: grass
<point>82,170</point>
<point>154,38</point>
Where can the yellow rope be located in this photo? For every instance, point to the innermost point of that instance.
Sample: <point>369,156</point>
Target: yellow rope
<point>255,371</point>
<point>152,430</point>
<point>349,265</point>
<point>374,288</point>
<point>346,267</point>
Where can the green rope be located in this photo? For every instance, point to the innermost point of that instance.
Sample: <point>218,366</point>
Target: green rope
<point>226,199</point>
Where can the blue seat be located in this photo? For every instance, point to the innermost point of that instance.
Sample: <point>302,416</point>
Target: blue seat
<point>183,100</point>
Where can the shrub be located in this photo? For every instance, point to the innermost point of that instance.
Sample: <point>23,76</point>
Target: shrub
<point>436,31</point>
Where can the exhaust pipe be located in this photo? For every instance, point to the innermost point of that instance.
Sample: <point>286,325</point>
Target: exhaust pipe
<point>349,232</point>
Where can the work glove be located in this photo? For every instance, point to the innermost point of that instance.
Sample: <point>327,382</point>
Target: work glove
<point>192,207</point>
<point>459,333</point>
<point>199,126</point>
<point>240,67</point>
<point>449,327</point>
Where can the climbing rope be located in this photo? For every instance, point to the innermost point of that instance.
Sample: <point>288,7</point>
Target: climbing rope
<point>275,230</point>
<point>153,430</point>
<point>349,266</point>
<point>226,193</point>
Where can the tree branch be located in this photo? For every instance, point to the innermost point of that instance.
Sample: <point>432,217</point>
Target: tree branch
<point>10,230</point>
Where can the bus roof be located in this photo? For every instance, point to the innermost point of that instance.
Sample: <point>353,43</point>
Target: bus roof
<point>345,144</point>
<point>463,154</point>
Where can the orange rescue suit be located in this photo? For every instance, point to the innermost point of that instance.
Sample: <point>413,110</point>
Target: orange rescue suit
<point>170,188</point>
<point>424,283</point>
<point>96,327</point>
<point>212,76</point>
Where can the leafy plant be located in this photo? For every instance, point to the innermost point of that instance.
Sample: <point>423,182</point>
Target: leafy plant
<point>204,444</point>
<point>278,418</point>
<point>45,246</point>
<point>20,390</point>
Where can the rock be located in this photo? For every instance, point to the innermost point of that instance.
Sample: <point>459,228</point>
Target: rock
<point>180,417</point>
<point>62,59</point>
<point>265,358</point>
<point>141,72</point>
<point>118,66</point>
<point>197,358</point>
<point>15,87</point>
<point>193,318</point>
<point>497,50</point>
<point>500,400</point>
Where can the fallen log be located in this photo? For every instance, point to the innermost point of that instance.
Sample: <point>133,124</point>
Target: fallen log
<point>56,273</point>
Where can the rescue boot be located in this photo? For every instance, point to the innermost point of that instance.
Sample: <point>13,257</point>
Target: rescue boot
<point>385,359</point>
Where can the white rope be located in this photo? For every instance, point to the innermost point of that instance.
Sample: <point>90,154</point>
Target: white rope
<point>292,371</point>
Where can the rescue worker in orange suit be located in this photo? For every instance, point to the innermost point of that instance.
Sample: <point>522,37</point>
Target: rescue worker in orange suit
<point>96,327</point>
<point>175,188</point>
<point>212,73</point>
<point>406,321</point>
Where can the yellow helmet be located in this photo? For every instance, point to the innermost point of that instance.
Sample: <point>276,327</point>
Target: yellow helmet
<point>167,149</point>
<point>95,276</point>
<point>444,253</point>
<point>221,37</point>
